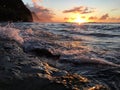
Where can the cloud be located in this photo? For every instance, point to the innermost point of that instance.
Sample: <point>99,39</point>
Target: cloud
<point>104,17</point>
<point>119,18</point>
<point>80,9</point>
<point>115,19</point>
<point>36,1</point>
<point>114,9</point>
<point>70,18</point>
<point>40,13</point>
<point>93,18</point>
<point>66,18</point>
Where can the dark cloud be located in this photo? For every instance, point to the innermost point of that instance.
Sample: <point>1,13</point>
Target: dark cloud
<point>41,13</point>
<point>104,17</point>
<point>80,9</point>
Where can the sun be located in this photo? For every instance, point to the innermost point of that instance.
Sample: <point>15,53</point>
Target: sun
<point>79,20</point>
<point>76,18</point>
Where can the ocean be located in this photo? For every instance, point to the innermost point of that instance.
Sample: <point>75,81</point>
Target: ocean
<point>90,49</point>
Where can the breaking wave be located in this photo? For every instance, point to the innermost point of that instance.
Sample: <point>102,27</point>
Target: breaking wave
<point>66,40</point>
<point>9,32</point>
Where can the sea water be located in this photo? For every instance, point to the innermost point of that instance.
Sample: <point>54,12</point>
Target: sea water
<point>87,49</point>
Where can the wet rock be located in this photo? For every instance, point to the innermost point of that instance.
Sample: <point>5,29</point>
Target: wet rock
<point>59,73</point>
<point>109,76</point>
<point>97,87</point>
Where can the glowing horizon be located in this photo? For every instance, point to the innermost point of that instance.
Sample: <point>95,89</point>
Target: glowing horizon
<point>75,10</point>
<point>76,18</point>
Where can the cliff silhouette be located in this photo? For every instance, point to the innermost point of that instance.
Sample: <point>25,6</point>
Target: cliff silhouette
<point>14,10</point>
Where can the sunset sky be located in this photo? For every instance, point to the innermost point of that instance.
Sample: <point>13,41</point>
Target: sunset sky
<point>74,10</point>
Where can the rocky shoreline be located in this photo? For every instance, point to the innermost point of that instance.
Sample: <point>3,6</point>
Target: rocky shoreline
<point>22,71</point>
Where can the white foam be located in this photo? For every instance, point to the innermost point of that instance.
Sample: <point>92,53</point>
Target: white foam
<point>12,33</point>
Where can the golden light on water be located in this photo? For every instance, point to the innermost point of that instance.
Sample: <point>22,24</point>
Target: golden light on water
<point>76,18</point>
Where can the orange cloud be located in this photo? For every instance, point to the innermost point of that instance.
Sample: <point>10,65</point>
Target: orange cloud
<point>66,18</point>
<point>40,13</point>
<point>36,1</point>
<point>93,18</point>
<point>80,10</point>
<point>115,19</point>
<point>104,18</point>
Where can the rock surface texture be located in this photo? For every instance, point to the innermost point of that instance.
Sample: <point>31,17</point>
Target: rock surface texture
<point>14,10</point>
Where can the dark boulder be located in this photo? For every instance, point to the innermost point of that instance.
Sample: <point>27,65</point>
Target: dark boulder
<point>14,10</point>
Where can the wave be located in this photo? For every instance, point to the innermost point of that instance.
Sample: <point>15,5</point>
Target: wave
<point>95,59</point>
<point>90,61</point>
<point>103,35</point>
<point>58,42</point>
<point>9,32</point>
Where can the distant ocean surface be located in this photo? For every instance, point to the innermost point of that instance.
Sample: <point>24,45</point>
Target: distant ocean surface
<point>91,47</point>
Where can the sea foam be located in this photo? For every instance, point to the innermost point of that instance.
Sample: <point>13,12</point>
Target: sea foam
<point>10,32</point>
